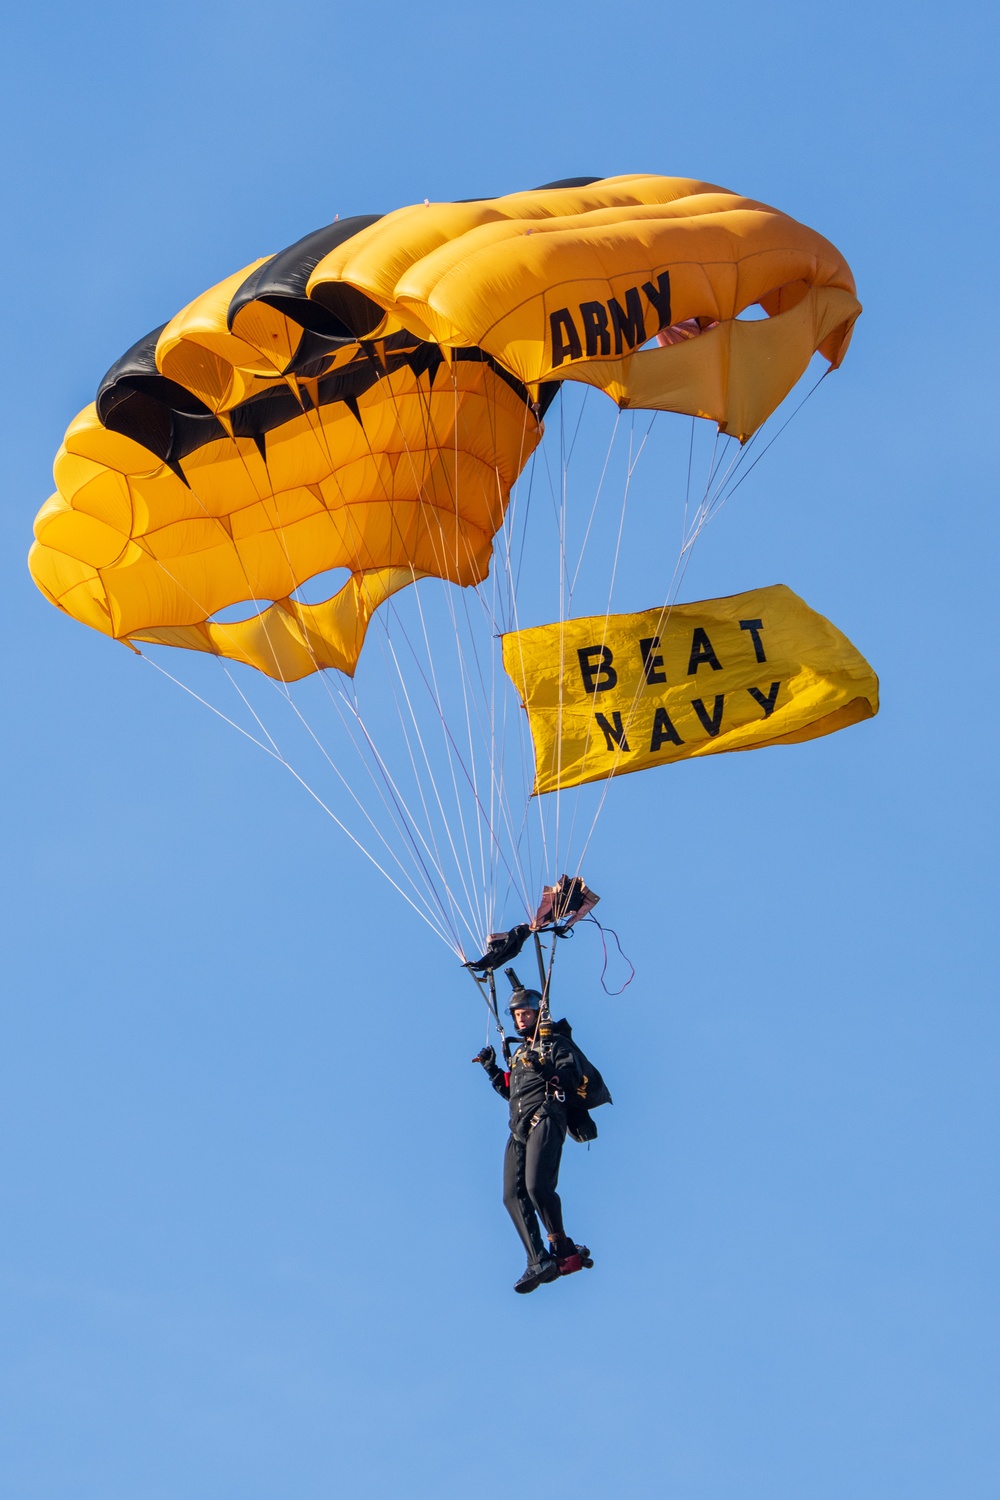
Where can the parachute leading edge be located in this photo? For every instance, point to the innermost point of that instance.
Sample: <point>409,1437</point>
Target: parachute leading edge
<point>617,693</point>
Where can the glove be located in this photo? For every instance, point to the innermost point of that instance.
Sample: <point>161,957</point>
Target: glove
<point>543,1065</point>
<point>488,1058</point>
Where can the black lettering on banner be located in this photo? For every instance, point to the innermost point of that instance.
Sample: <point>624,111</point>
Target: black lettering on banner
<point>755,627</point>
<point>767,704</point>
<point>712,722</point>
<point>598,676</point>
<point>614,733</point>
<point>659,297</point>
<point>565,339</point>
<point>595,328</point>
<point>629,322</point>
<point>702,652</point>
<point>652,665</point>
<point>663,731</point>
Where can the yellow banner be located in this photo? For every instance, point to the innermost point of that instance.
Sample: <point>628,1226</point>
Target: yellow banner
<point>618,693</point>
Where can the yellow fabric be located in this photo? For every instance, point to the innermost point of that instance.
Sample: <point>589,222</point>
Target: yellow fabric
<point>412,476</point>
<point>290,640</point>
<point>197,350</point>
<point>419,484</point>
<point>606,695</point>
<point>735,373</point>
<point>532,277</point>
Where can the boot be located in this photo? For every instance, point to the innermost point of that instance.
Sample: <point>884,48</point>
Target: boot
<point>539,1271</point>
<point>573,1258</point>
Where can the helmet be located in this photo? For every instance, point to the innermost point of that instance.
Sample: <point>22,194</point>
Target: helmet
<point>524,1000</point>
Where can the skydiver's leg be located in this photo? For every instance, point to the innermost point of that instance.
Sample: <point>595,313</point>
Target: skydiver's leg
<point>516,1200</point>
<point>542,1156</point>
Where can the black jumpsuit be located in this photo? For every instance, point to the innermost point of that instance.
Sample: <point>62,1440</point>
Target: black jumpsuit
<point>537,1132</point>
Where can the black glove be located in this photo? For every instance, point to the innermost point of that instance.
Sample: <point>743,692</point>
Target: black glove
<point>541,1064</point>
<point>488,1058</point>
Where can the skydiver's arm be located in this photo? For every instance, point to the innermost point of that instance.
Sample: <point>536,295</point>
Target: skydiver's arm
<point>498,1078</point>
<point>564,1064</point>
<point>501,1082</point>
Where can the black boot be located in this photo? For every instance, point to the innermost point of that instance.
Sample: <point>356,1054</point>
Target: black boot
<point>545,1268</point>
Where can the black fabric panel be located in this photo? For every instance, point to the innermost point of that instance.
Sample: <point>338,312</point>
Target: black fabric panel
<point>567,182</point>
<point>135,400</point>
<point>563,182</point>
<point>139,360</point>
<point>547,392</point>
<point>137,371</point>
<point>271,409</point>
<point>170,434</point>
<point>478,356</point>
<point>264,412</point>
<point>311,317</point>
<point>357,314</point>
<point>312,355</point>
<point>191,433</point>
<point>281,281</point>
<point>135,416</point>
<point>168,393</point>
<point>140,403</point>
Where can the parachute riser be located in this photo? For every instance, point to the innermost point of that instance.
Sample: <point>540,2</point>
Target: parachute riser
<point>489,994</point>
<point>543,1026</point>
<point>504,1044</point>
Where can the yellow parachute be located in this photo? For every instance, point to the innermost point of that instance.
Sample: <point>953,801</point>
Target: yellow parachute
<point>366,399</point>
<point>364,402</point>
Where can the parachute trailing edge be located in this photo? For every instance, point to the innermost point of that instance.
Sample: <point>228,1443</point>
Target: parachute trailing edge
<point>290,640</point>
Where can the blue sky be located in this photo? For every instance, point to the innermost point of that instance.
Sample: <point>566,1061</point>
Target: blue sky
<point>254,1244</point>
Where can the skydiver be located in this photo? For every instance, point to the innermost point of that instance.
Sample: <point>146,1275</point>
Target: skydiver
<point>537,1085</point>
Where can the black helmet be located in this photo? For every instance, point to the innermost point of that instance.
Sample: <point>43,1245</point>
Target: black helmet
<point>524,1000</point>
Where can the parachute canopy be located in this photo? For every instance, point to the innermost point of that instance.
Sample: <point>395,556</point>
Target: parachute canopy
<point>366,398</point>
